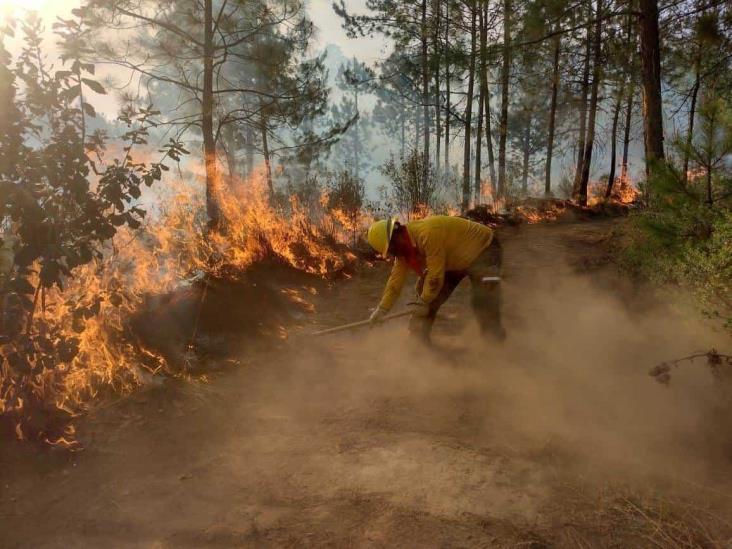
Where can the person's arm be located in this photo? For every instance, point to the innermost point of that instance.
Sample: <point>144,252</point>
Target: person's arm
<point>394,284</point>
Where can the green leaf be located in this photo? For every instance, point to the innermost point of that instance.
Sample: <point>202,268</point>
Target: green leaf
<point>94,85</point>
<point>89,110</point>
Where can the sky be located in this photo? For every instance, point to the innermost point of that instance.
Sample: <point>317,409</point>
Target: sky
<point>329,34</point>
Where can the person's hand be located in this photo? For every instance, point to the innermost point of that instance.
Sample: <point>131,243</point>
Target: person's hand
<point>419,308</point>
<point>377,316</point>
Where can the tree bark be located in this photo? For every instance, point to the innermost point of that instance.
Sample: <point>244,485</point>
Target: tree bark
<point>425,94</point>
<point>596,76</point>
<point>207,124</point>
<point>481,101</point>
<point>438,121</point>
<point>447,86</point>
<point>505,76</point>
<point>626,138</point>
<point>469,110</point>
<point>250,151</point>
<point>552,117</point>
<point>650,52</point>
<point>692,113</point>
<point>357,133</point>
<point>527,155</point>
<point>583,106</point>
<point>478,149</point>
<point>265,152</point>
<point>614,143</point>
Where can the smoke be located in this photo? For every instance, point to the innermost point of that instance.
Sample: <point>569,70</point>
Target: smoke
<point>473,426</point>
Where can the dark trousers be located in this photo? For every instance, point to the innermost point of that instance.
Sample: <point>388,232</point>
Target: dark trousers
<point>486,294</point>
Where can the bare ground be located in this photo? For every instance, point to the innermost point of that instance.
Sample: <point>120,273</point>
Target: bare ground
<point>556,438</point>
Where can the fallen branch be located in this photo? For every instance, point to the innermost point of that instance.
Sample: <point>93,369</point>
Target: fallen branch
<point>720,364</point>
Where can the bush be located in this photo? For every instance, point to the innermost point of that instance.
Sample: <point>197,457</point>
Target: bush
<point>684,236</point>
<point>414,184</point>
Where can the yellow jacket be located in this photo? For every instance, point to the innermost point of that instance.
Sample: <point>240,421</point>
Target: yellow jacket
<point>445,244</point>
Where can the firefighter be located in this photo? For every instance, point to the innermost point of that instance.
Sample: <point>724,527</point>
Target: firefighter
<point>442,251</point>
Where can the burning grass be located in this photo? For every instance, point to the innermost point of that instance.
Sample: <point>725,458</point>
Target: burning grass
<point>79,346</point>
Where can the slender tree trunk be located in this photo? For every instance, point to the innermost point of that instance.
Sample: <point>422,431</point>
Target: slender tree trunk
<point>438,107</point>
<point>417,129</point>
<point>403,124</point>
<point>469,109</point>
<point>650,52</point>
<point>207,124</point>
<point>552,118</point>
<point>596,76</point>
<point>614,142</point>
<point>250,151</point>
<point>692,114</point>
<point>505,76</point>
<point>478,149</point>
<point>425,93</point>
<point>448,106</point>
<point>357,134</point>
<point>527,155</point>
<point>487,99</point>
<point>265,153</point>
<point>583,106</point>
<point>481,102</point>
<point>630,79</point>
<point>626,137</point>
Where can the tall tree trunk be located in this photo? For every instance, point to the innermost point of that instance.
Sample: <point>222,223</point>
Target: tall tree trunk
<point>626,137</point>
<point>527,155</point>
<point>650,52</point>
<point>614,142</point>
<point>265,153</point>
<point>417,128</point>
<point>583,106</point>
<point>596,76</point>
<point>629,79</point>
<point>403,117</point>
<point>357,133</point>
<point>505,76</point>
<point>489,139</point>
<point>487,99</point>
<point>207,124</point>
<point>482,25</point>
<point>469,109</point>
<point>438,107</point>
<point>478,149</point>
<point>692,113</point>
<point>448,106</point>
<point>552,116</point>
<point>425,94</point>
<point>250,151</point>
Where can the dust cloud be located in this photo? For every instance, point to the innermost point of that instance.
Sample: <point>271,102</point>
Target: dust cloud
<point>477,426</point>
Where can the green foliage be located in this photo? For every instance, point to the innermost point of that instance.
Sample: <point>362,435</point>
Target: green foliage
<point>684,237</point>
<point>61,201</point>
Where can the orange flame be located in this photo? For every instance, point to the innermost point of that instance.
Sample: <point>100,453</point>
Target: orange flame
<point>168,252</point>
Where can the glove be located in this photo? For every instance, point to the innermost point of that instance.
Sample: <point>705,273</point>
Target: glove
<point>419,308</point>
<point>377,317</point>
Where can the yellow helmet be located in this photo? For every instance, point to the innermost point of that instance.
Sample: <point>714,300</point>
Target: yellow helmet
<point>379,235</point>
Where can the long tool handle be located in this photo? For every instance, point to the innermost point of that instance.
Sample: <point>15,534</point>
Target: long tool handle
<point>359,324</point>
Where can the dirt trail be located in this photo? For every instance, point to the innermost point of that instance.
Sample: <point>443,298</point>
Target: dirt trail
<point>556,438</point>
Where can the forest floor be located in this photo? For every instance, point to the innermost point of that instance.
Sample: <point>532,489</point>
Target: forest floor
<point>556,438</point>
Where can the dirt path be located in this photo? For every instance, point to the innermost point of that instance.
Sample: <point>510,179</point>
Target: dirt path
<point>556,438</point>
